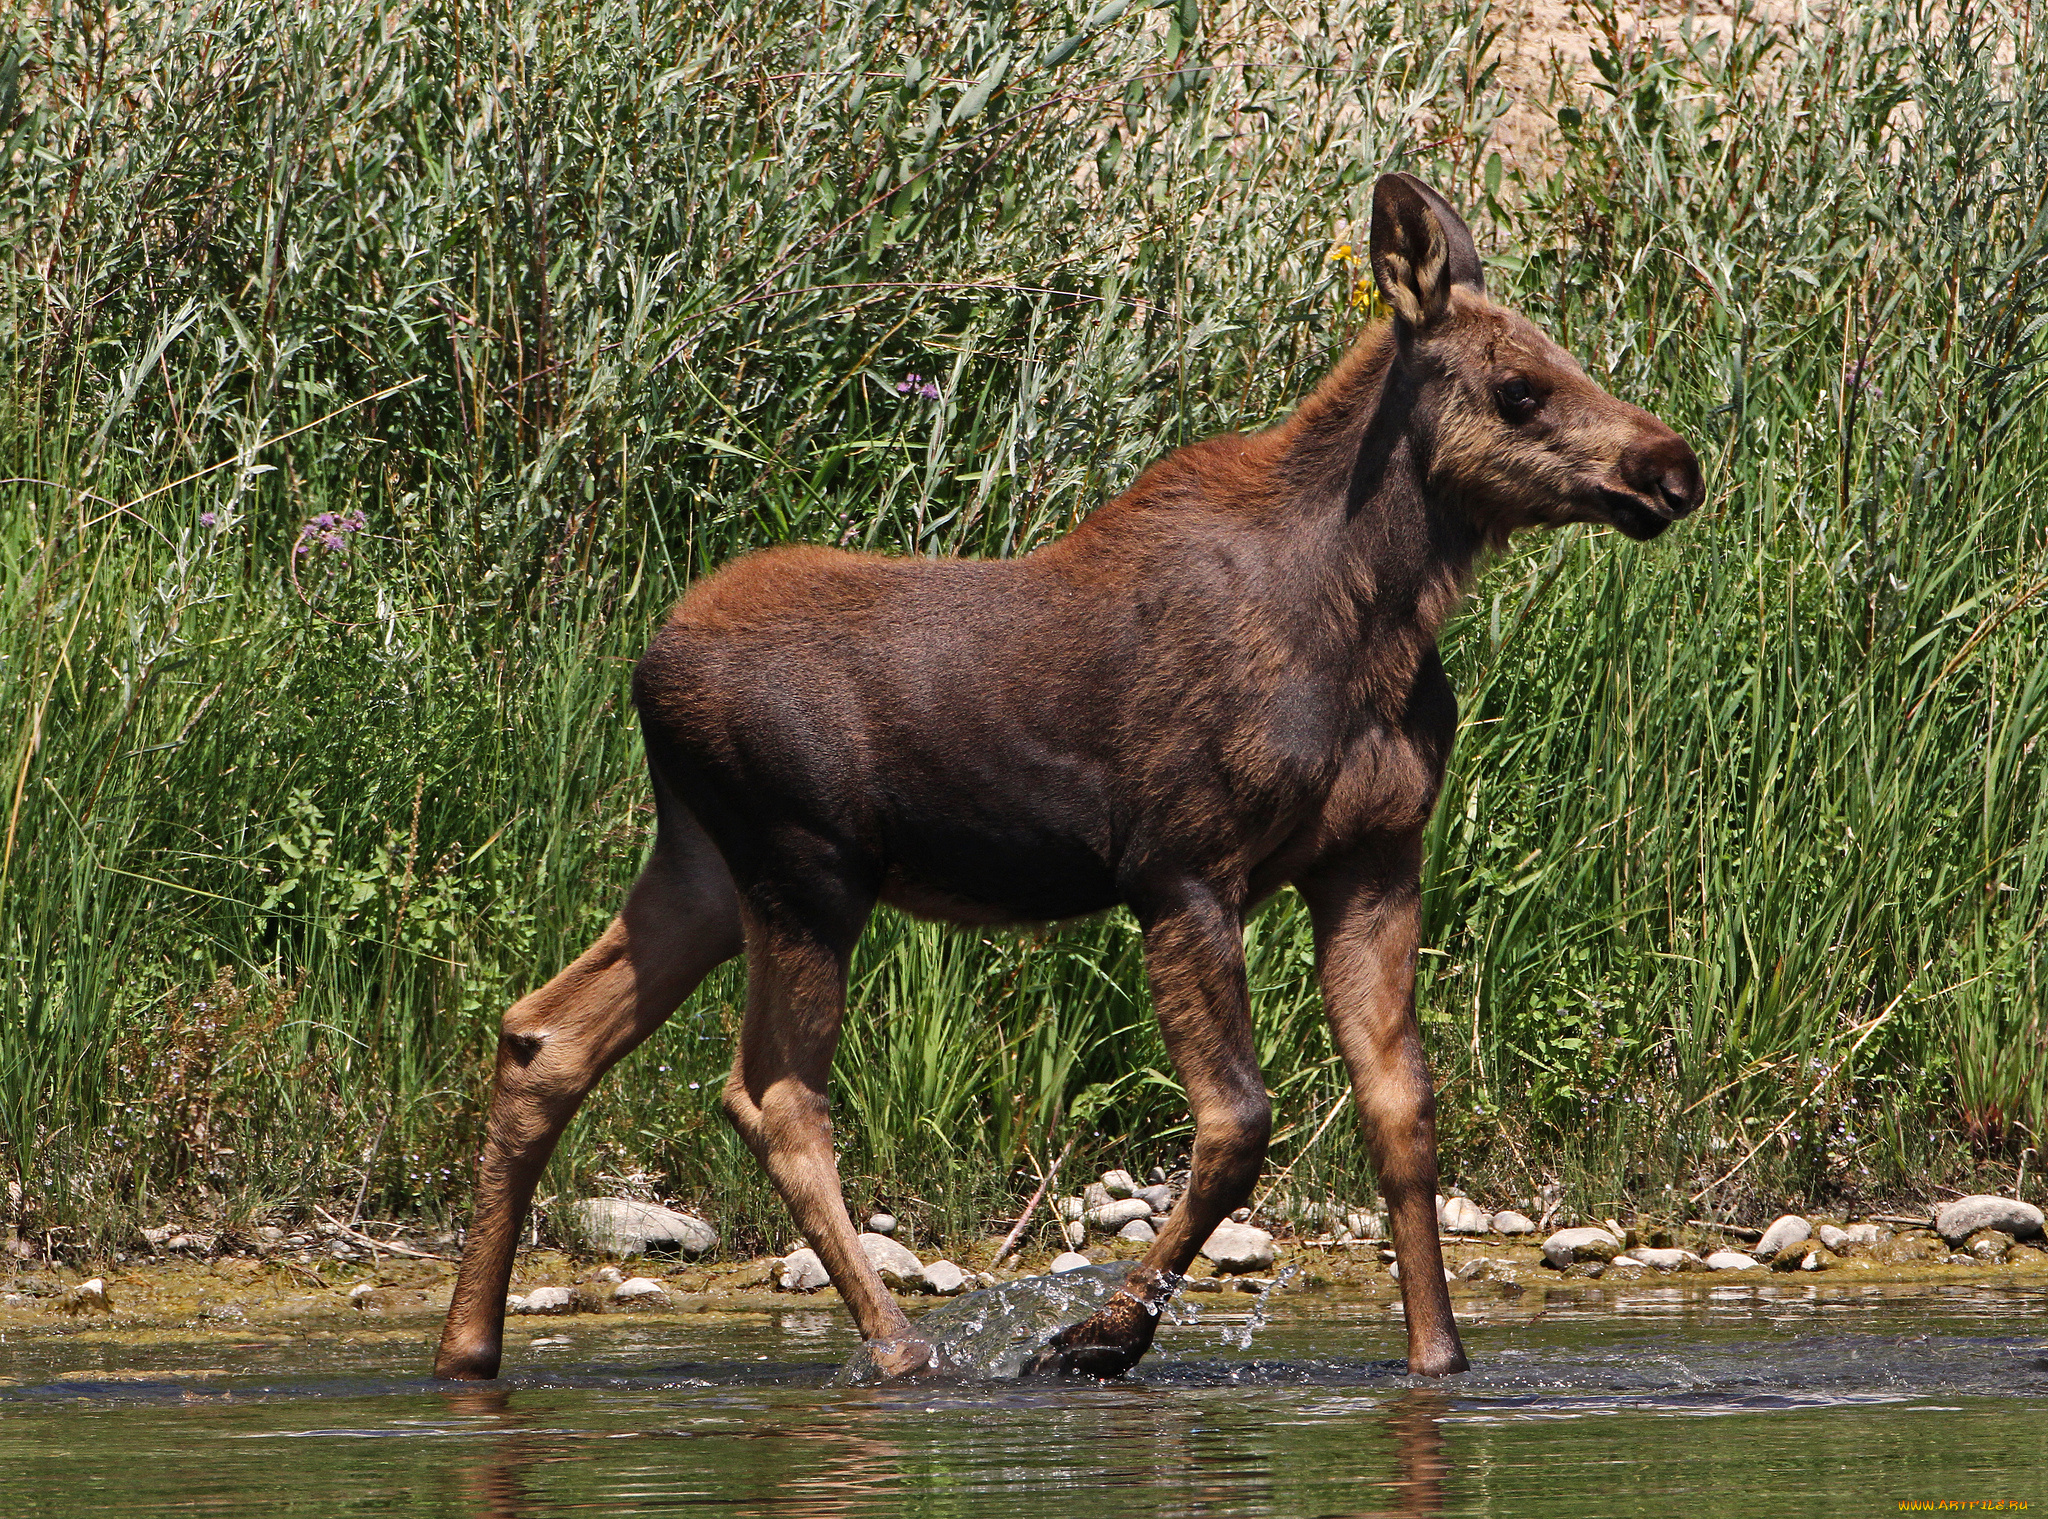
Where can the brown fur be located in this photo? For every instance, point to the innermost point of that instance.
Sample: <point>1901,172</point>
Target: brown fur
<point>1223,682</point>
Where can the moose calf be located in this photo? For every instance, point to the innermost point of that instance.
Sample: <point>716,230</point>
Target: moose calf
<point>1223,682</point>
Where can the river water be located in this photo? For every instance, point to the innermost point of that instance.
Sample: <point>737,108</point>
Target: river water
<point>1691,1399</point>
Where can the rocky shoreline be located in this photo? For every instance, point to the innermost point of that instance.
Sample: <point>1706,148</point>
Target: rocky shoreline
<point>646,1259</point>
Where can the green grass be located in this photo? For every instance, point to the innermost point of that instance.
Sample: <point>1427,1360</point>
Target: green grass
<point>574,303</point>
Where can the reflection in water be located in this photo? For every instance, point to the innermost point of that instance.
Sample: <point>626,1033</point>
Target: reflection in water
<point>495,1483</point>
<point>1416,1423</point>
<point>834,1463</point>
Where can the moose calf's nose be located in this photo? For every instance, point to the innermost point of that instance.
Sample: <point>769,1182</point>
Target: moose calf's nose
<point>1667,470</point>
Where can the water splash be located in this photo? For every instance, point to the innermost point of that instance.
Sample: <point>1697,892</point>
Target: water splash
<point>988,1336</point>
<point>1241,1338</point>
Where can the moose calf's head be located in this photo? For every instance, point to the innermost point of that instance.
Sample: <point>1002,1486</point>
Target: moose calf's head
<point>1512,430</point>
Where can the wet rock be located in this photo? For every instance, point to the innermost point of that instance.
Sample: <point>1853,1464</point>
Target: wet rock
<point>1957,1221</point>
<point>882,1223</point>
<point>640,1292</point>
<point>944,1279</point>
<point>1992,1246</point>
<point>376,1301</point>
<point>1511,1222</point>
<point>1586,1269</point>
<point>1202,1284</point>
<point>1730,1260</point>
<point>87,1297</point>
<point>1486,1269</point>
<point>549,1300</point>
<point>1236,1248</point>
<point>1803,1255</point>
<point>1160,1197</point>
<point>1586,1244</point>
<point>1111,1217</point>
<point>1835,1239</point>
<point>801,1271</point>
<point>897,1267</point>
<point>1660,1258</point>
<point>1119,1184</point>
<point>1138,1231</point>
<point>1070,1261</point>
<point>625,1226</point>
<point>1461,1215</point>
<point>1787,1230</point>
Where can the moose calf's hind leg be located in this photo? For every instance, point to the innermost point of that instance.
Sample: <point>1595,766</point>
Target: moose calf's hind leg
<point>796,996</point>
<point>680,921</point>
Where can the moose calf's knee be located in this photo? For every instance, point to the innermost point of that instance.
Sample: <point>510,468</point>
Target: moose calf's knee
<point>1232,1145</point>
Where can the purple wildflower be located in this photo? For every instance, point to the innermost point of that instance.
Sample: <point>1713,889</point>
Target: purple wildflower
<point>919,385</point>
<point>330,532</point>
<point>207,519</point>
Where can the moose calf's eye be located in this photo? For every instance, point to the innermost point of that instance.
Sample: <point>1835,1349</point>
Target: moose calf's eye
<point>1517,402</point>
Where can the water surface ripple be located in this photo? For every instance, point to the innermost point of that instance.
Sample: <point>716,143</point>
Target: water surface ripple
<point>1690,1397</point>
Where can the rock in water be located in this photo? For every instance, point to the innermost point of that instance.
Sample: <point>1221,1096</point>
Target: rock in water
<point>624,1226</point>
<point>1957,1221</point>
<point>897,1267</point>
<point>1511,1222</point>
<point>1803,1255</point>
<point>944,1279</point>
<point>87,1297</point>
<point>1239,1248</point>
<point>802,1271</point>
<point>640,1292</point>
<point>1788,1230</point>
<point>1992,1246</point>
<point>1069,1261</point>
<point>1588,1244</point>
<point>1461,1215</point>
<point>1730,1260</point>
<point>1667,1260</point>
<point>1834,1239</point>
<point>550,1300</point>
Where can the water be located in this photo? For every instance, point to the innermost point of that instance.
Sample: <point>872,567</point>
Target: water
<point>1706,1397</point>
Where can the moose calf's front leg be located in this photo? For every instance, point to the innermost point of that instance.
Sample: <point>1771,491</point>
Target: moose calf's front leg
<point>1194,958</point>
<point>1367,926</point>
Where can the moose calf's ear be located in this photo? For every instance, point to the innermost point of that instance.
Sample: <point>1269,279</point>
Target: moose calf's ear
<point>1420,248</point>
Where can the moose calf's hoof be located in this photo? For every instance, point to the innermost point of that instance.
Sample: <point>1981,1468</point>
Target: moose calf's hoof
<point>466,1365</point>
<point>1438,1364</point>
<point>896,1360</point>
<point>1063,1357</point>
